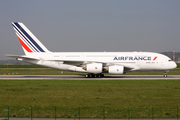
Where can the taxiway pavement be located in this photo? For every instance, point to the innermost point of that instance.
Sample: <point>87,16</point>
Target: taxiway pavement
<point>81,77</point>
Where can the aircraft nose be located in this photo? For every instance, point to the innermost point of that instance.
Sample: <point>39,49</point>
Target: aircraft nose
<point>173,65</point>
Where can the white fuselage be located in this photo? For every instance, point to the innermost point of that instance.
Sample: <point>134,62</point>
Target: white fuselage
<point>73,61</point>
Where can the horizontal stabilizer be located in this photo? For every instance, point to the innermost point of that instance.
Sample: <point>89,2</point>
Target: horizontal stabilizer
<point>23,57</point>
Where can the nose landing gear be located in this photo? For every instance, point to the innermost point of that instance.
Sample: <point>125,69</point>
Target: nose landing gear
<point>165,74</point>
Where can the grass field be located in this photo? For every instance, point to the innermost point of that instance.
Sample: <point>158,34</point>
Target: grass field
<point>89,95</point>
<point>91,98</point>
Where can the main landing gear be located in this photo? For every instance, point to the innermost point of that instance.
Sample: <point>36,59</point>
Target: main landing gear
<point>165,74</point>
<point>94,75</point>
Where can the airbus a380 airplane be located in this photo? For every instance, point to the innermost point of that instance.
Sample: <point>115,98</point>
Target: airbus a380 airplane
<point>93,63</point>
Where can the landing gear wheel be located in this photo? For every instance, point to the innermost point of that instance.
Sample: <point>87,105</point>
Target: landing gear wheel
<point>102,75</point>
<point>99,75</point>
<point>165,74</point>
<point>91,75</point>
<point>94,75</point>
<point>87,76</point>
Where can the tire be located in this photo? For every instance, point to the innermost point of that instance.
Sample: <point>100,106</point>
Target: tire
<point>102,75</point>
<point>95,75</point>
<point>87,76</point>
<point>165,75</point>
<point>90,75</point>
<point>99,75</point>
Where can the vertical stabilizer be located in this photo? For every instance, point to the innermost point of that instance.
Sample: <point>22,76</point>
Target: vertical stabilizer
<point>29,42</point>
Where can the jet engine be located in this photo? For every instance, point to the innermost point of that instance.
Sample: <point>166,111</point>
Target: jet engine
<point>94,68</point>
<point>116,70</point>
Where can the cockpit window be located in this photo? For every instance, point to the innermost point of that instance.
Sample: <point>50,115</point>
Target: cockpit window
<point>169,60</point>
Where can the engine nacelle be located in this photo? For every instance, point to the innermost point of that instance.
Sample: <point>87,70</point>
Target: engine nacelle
<point>116,70</point>
<point>94,68</point>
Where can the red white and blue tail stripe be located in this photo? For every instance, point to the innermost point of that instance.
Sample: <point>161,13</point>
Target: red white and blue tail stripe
<point>29,42</point>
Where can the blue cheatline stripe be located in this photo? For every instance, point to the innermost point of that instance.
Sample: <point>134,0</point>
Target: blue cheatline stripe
<point>29,37</point>
<point>34,44</point>
<point>31,46</point>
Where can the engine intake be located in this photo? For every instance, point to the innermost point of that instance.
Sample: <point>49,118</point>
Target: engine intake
<point>116,70</point>
<point>94,68</point>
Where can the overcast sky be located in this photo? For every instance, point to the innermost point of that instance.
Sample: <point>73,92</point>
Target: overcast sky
<point>93,25</point>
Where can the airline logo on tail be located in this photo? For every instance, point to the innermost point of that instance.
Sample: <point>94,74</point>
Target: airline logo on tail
<point>26,38</point>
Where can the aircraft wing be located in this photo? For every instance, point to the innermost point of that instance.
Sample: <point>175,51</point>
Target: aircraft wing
<point>127,67</point>
<point>77,63</point>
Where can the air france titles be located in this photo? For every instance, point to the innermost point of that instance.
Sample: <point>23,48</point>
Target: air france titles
<point>146,58</point>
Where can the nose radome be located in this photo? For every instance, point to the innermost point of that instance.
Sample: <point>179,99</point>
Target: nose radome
<point>172,65</point>
<point>175,65</point>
